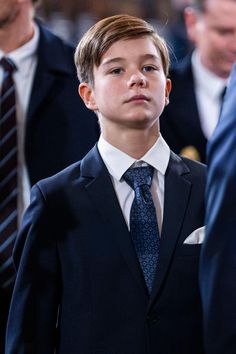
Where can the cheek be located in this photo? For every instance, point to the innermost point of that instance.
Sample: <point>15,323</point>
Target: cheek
<point>216,51</point>
<point>161,101</point>
<point>106,98</point>
<point>162,90</point>
<point>215,43</point>
<point>209,49</point>
<point>109,89</point>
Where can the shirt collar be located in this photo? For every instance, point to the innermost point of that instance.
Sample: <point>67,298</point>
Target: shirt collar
<point>22,54</point>
<point>206,79</point>
<point>118,162</point>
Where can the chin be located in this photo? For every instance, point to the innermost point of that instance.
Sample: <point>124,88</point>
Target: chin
<point>142,123</point>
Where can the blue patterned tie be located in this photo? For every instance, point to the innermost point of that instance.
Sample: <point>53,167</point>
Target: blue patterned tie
<point>8,173</point>
<point>143,221</point>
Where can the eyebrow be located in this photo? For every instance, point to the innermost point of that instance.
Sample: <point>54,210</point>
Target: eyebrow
<point>120,59</point>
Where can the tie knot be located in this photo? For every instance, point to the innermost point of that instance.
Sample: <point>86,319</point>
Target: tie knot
<point>139,176</point>
<point>8,65</point>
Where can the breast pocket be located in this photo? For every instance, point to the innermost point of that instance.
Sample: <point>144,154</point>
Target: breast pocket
<point>189,250</point>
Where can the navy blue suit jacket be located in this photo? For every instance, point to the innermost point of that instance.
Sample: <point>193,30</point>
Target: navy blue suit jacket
<point>79,286</point>
<point>59,129</point>
<point>180,122</point>
<point>218,262</point>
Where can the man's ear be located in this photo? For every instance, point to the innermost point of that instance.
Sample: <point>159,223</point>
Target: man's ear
<point>86,93</point>
<point>191,18</point>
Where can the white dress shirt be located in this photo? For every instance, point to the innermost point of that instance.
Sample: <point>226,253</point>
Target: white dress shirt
<point>25,60</point>
<point>208,88</point>
<point>118,162</point>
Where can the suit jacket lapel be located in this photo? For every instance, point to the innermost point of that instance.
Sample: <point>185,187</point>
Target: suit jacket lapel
<point>102,193</point>
<point>177,190</point>
<point>51,64</point>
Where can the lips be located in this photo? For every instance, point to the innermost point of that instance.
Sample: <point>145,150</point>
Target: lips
<point>138,98</point>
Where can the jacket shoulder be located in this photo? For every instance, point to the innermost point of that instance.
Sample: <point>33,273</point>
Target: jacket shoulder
<point>61,179</point>
<point>197,169</point>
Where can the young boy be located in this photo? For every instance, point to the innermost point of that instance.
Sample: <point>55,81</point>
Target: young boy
<point>105,265</point>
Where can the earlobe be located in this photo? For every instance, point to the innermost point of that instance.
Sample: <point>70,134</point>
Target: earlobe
<point>86,93</point>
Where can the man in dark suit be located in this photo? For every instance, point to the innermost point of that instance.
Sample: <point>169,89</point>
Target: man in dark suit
<point>58,124</point>
<point>218,261</point>
<point>199,80</point>
<point>54,128</point>
<point>91,278</point>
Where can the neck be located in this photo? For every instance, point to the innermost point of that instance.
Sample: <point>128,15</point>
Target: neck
<point>135,144</point>
<point>23,26</point>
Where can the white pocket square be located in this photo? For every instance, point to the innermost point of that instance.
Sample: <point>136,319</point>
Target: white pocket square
<point>196,237</point>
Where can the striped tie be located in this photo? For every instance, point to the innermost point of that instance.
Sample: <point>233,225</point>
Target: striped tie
<point>8,173</point>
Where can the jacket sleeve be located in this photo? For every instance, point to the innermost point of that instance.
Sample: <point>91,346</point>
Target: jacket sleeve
<point>34,308</point>
<point>218,261</point>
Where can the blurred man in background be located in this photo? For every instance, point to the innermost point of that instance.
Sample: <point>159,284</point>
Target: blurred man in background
<point>43,123</point>
<point>199,80</point>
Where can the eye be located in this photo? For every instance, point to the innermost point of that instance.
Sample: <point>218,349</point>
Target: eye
<point>116,71</point>
<point>224,31</point>
<point>148,68</point>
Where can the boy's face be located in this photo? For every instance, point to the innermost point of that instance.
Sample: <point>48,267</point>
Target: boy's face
<point>130,87</point>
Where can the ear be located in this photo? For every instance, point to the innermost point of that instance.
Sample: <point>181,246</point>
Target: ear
<point>191,18</point>
<point>168,89</point>
<point>86,93</point>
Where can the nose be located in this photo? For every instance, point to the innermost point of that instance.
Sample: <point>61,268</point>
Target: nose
<point>137,79</point>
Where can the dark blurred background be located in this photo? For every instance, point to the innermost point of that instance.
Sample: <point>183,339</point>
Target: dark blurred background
<point>71,18</point>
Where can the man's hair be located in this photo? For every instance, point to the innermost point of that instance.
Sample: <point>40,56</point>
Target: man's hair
<point>99,38</point>
<point>200,5</point>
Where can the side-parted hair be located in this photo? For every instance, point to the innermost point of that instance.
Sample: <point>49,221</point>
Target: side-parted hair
<point>99,38</point>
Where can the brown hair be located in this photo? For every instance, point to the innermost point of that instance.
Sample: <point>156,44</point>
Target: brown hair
<point>98,39</point>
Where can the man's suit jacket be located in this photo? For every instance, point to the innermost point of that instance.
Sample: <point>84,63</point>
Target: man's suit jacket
<point>59,128</point>
<point>180,122</point>
<point>218,261</point>
<point>74,249</point>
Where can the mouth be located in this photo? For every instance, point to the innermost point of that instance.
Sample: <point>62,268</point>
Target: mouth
<point>138,98</point>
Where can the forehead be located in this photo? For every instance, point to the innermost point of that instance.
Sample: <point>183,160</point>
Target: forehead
<point>133,47</point>
<point>221,12</point>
